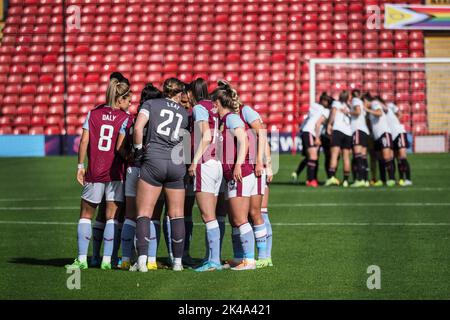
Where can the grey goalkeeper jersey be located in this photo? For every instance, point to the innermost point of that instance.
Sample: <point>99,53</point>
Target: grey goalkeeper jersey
<point>167,124</point>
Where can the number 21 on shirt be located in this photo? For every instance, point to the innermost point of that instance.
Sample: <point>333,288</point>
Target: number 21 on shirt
<point>164,128</point>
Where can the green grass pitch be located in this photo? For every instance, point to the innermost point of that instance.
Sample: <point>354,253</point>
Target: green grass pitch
<point>324,241</point>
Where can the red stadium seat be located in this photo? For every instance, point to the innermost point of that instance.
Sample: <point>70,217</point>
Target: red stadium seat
<point>52,130</point>
<point>420,128</point>
<point>21,129</point>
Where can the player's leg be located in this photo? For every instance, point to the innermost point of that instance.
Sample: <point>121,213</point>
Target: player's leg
<point>357,164</point>
<point>129,225</point>
<point>207,203</point>
<point>265,215</point>
<point>188,226</point>
<point>327,152</point>
<point>97,233</point>
<point>374,160</point>
<point>221,213</point>
<point>259,229</point>
<point>401,145</point>
<point>358,159</point>
<point>301,166</point>
<point>91,196</point>
<point>146,197</point>
<point>114,195</point>
<point>128,232</point>
<point>115,260</point>
<point>364,166</point>
<point>239,200</point>
<point>167,234</point>
<point>346,166</point>
<point>332,180</point>
<point>155,234</point>
<point>246,237</point>
<point>404,167</point>
<point>175,209</point>
<point>388,157</point>
<point>312,167</point>
<point>258,222</point>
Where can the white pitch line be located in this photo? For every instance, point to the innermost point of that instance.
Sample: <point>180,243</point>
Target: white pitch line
<point>37,208</point>
<point>37,199</point>
<point>278,205</point>
<point>300,189</point>
<point>282,224</point>
<point>365,204</point>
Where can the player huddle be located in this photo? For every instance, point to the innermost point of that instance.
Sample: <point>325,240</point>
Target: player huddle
<point>185,145</point>
<point>363,125</point>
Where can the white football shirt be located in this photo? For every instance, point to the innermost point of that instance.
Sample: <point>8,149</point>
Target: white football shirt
<point>379,124</point>
<point>341,120</point>
<point>359,122</point>
<point>316,111</point>
<point>393,121</point>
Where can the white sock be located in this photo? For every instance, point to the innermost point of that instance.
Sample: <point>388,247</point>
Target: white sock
<point>82,258</point>
<point>152,259</point>
<point>106,259</point>
<point>142,260</point>
<point>177,261</point>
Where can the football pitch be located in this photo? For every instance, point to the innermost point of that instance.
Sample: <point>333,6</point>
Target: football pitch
<point>324,240</point>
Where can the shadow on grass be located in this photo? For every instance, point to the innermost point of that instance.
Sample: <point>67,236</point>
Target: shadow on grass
<point>163,262</point>
<point>57,262</point>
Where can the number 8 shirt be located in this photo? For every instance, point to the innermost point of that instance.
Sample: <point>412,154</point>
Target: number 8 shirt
<point>104,125</point>
<point>105,171</point>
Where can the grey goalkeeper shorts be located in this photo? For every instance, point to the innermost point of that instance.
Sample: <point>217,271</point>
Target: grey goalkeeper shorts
<point>163,173</point>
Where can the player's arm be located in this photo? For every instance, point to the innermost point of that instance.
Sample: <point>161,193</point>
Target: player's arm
<point>242,145</point>
<point>261,134</point>
<point>254,119</point>
<point>319,123</point>
<point>268,154</point>
<point>376,112</point>
<point>121,148</point>
<point>201,117</point>
<point>205,141</point>
<point>356,112</point>
<point>138,134</point>
<point>331,121</point>
<point>82,152</point>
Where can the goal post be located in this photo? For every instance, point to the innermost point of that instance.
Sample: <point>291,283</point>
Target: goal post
<point>420,87</point>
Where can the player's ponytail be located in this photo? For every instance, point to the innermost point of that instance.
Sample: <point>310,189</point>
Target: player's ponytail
<point>235,103</point>
<point>115,91</point>
<point>356,93</point>
<point>199,89</point>
<point>343,96</point>
<point>172,87</point>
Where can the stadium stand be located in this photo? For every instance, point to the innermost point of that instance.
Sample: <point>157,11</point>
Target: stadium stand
<point>262,47</point>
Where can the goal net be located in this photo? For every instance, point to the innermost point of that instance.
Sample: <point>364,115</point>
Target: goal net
<point>420,87</point>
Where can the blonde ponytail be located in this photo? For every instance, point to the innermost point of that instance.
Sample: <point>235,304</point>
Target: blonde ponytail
<point>115,91</point>
<point>236,103</point>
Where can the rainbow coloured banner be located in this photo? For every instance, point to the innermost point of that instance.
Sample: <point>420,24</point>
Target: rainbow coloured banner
<point>404,16</point>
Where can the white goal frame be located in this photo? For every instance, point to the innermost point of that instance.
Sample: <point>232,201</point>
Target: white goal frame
<point>315,61</point>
